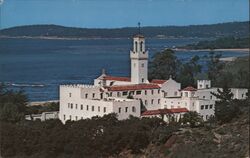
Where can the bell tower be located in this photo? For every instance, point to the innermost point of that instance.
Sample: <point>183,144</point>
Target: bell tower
<point>139,60</point>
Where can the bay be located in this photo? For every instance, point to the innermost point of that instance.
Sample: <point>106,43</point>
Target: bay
<point>39,66</point>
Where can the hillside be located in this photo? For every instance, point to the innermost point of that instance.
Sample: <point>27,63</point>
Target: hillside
<point>228,140</point>
<point>236,29</point>
<point>220,43</point>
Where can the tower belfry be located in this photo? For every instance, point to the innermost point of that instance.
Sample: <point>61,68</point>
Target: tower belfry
<point>139,59</point>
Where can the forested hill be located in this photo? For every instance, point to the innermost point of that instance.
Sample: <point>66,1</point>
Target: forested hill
<point>236,29</point>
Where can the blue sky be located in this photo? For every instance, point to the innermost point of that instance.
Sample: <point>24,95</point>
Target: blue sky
<point>121,13</point>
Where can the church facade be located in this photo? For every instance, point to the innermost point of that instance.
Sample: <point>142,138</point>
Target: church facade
<point>136,95</point>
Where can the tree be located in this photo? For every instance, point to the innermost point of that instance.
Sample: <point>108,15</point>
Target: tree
<point>12,104</point>
<point>164,64</point>
<point>189,72</point>
<point>225,108</point>
<point>215,67</point>
<point>193,118</point>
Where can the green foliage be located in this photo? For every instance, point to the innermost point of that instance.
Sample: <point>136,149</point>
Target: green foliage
<point>238,29</point>
<point>237,72</point>
<point>164,64</point>
<point>189,72</point>
<point>226,108</point>
<point>215,67</point>
<point>97,137</point>
<point>12,105</point>
<point>193,118</point>
<point>38,109</point>
<point>221,43</point>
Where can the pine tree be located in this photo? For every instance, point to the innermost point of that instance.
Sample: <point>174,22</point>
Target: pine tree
<point>225,107</point>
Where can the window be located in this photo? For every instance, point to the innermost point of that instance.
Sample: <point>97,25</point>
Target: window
<point>136,47</point>
<point>71,106</point>
<point>76,106</point>
<point>133,109</point>
<point>81,106</point>
<point>242,95</point>
<point>119,110</point>
<point>152,91</point>
<point>64,117</point>
<point>142,80</point>
<point>186,94</point>
<point>152,101</point>
<point>86,95</point>
<point>159,100</point>
<point>202,107</point>
<point>93,108</point>
<point>69,94</point>
<point>211,106</point>
<point>93,95</point>
<point>145,92</point>
<point>175,93</point>
<point>211,97</point>
<point>146,102</point>
<point>126,109</point>
<point>142,65</point>
<point>101,95</point>
<point>141,45</point>
<point>206,106</point>
<point>165,94</point>
<point>98,108</point>
<point>159,91</point>
<point>138,92</point>
<point>206,85</point>
<point>70,117</point>
<point>104,109</point>
<point>118,94</point>
<point>110,94</point>
<point>87,107</point>
<point>204,97</point>
<point>76,118</point>
<point>124,93</point>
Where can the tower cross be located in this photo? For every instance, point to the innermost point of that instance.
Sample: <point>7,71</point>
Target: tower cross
<point>139,27</point>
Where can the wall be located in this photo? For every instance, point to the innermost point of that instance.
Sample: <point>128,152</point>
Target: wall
<point>171,87</point>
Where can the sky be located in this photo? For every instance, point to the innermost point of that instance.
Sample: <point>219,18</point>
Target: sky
<point>121,13</point>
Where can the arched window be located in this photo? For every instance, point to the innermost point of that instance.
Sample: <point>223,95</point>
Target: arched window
<point>141,45</point>
<point>133,109</point>
<point>136,47</point>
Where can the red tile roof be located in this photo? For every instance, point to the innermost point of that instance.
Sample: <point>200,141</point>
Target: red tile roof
<point>133,87</point>
<point>178,110</point>
<point>126,79</point>
<point>164,111</point>
<point>189,88</point>
<point>158,81</point>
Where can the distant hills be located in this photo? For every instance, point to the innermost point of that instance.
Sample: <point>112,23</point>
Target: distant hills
<point>220,43</point>
<point>236,29</point>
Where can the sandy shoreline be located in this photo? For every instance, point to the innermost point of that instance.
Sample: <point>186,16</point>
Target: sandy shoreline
<point>42,102</point>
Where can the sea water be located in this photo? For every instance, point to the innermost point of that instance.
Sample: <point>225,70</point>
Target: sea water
<point>39,66</point>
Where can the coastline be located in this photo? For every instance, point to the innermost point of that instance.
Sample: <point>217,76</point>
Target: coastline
<point>242,50</point>
<point>86,38</point>
<point>43,103</point>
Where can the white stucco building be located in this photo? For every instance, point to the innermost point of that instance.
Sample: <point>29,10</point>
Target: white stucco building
<point>127,95</point>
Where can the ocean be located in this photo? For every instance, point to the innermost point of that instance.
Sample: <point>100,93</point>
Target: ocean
<point>39,66</point>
